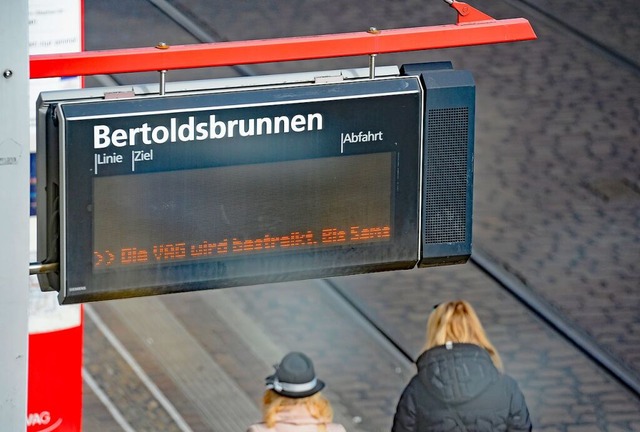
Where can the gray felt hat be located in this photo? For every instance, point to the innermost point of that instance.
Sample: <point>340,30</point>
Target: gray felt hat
<point>295,377</point>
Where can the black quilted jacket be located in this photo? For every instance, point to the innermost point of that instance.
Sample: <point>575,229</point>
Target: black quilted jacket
<point>460,390</point>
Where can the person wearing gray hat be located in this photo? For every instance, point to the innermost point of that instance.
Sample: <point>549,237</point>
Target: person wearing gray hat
<point>293,402</point>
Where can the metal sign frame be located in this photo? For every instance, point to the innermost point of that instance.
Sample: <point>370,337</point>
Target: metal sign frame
<point>345,105</point>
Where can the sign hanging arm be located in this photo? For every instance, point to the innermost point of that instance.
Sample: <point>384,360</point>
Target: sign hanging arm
<point>472,28</point>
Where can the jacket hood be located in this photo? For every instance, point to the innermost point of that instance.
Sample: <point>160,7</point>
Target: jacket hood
<point>456,374</point>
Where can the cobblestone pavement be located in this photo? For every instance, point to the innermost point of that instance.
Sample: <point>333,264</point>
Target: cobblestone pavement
<point>557,197</point>
<point>245,330</point>
<point>557,202</point>
<point>613,25</point>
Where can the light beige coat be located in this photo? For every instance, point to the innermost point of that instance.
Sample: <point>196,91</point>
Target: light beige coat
<point>296,419</point>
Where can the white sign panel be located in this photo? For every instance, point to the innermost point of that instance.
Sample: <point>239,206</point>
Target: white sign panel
<point>55,26</point>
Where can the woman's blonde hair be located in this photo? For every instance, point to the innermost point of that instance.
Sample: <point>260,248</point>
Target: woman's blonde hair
<point>457,321</point>
<point>316,404</point>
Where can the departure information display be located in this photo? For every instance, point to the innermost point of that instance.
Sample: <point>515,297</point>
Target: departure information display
<point>222,188</point>
<point>326,202</point>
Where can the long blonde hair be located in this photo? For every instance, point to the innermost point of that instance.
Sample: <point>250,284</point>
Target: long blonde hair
<point>316,404</point>
<point>457,321</point>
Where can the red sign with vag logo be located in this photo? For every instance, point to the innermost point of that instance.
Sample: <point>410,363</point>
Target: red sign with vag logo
<point>55,364</point>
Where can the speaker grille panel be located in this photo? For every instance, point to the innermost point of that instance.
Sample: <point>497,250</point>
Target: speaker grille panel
<point>446,175</point>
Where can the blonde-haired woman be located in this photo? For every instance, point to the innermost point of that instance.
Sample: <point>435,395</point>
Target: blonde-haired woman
<point>460,385</point>
<point>293,402</point>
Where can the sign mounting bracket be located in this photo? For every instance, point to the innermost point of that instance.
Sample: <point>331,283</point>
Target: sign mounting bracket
<point>472,28</point>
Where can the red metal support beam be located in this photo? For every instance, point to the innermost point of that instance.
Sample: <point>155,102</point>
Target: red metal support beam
<point>473,28</point>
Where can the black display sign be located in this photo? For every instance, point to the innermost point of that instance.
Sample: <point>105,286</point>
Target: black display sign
<point>224,188</point>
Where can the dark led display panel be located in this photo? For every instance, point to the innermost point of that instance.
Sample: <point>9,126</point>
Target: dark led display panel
<point>217,189</point>
<point>291,206</point>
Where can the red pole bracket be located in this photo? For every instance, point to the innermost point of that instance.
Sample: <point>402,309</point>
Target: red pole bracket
<point>485,30</point>
<point>468,14</point>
